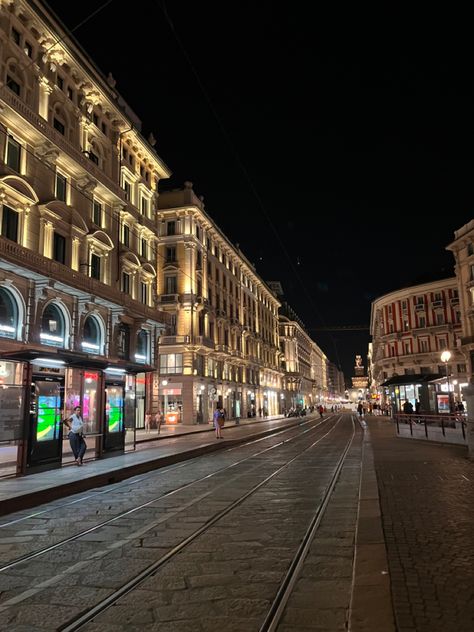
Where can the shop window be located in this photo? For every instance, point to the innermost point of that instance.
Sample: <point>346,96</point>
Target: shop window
<point>92,339</point>
<point>171,363</point>
<point>10,223</point>
<point>8,314</point>
<point>13,158</point>
<point>53,326</point>
<point>142,352</point>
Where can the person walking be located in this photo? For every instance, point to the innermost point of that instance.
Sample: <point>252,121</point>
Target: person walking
<point>360,409</point>
<point>75,425</point>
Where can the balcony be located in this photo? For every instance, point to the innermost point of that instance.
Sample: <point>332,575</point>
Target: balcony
<point>173,340</point>
<point>419,307</point>
<point>58,139</point>
<point>467,340</point>
<point>25,258</point>
<point>455,301</point>
<point>204,341</point>
<point>437,304</point>
<point>168,298</point>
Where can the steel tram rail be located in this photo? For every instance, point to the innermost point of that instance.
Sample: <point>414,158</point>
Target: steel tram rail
<point>30,556</point>
<point>130,585</point>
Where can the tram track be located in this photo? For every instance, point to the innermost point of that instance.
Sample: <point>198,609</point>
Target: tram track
<point>86,617</point>
<point>134,480</point>
<point>42,551</point>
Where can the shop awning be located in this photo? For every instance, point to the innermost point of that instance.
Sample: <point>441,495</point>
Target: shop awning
<point>76,359</point>
<point>418,378</point>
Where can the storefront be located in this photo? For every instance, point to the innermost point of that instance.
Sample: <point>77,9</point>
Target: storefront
<point>422,388</point>
<point>40,389</point>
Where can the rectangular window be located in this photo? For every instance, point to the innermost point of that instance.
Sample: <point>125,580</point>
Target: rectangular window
<point>470,249</point>
<point>171,284</point>
<point>424,348</point>
<point>59,248</point>
<point>95,119</point>
<point>59,126</point>
<point>104,129</point>
<point>97,213</point>
<point>144,205</point>
<point>13,85</point>
<point>126,187</point>
<point>440,318</point>
<point>61,187</point>
<point>95,267</point>
<point>406,347</point>
<point>126,235</point>
<point>70,93</point>
<point>10,223</point>
<point>144,248</point>
<point>461,368</point>
<point>125,282</point>
<point>60,82</point>
<point>171,363</point>
<point>13,154</point>
<point>170,254</point>
<point>421,322</point>
<point>442,344</point>
<point>16,36</point>
<point>171,228</point>
<point>28,48</point>
<point>144,292</point>
<point>94,158</point>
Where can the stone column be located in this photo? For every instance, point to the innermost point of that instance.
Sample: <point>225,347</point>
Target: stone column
<point>44,91</point>
<point>468,394</point>
<point>48,239</point>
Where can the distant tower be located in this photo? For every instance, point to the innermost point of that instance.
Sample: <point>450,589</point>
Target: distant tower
<point>359,380</point>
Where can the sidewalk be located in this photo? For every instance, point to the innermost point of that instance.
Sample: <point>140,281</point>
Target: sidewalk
<point>426,496</point>
<point>28,491</point>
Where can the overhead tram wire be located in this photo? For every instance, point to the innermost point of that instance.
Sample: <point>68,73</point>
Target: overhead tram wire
<point>245,172</point>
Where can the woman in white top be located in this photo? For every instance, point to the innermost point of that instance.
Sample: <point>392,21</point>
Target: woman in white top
<point>75,424</point>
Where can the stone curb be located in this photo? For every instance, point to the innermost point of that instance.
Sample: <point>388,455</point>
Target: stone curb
<point>371,603</point>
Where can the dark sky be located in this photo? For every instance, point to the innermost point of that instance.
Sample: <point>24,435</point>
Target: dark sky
<point>338,154</point>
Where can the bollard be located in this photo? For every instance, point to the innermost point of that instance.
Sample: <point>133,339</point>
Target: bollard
<point>468,394</point>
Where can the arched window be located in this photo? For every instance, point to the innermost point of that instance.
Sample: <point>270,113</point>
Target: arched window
<point>8,315</point>
<point>142,349</point>
<point>93,338</point>
<point>53,327</point>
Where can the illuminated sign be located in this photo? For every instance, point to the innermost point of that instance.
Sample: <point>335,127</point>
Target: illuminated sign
<point>114,410</point>
<point>49,419</point>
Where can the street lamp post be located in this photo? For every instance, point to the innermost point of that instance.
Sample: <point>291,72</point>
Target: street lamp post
<point>446,357</point>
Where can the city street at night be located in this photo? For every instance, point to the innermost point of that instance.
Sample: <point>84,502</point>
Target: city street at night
<point>282,532</point>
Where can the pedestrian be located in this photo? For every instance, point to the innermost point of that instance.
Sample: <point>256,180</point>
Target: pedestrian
<point>407,407</point>
<point>260,411</point>
<point>160,419</point>
<point>360,409</point>
<point>417,406</point>
<point>75,425</point>
<point>217,418</point>
<point>321,410</point>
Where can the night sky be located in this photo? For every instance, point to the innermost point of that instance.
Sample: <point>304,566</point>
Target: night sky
<point>337,154</point>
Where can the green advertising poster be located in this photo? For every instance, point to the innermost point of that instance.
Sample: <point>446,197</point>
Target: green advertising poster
<point>114,410</point>
<point>49,418</point>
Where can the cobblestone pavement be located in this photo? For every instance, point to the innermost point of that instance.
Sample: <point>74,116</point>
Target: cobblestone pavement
<point>427,500</point>
<point>242,559</point>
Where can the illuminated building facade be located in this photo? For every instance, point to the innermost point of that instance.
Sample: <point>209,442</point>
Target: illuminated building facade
<point>226,350</point>
<point>410,329</point>
<point>78,236</point>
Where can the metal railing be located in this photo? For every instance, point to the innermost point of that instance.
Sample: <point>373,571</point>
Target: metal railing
<point>452,421</point>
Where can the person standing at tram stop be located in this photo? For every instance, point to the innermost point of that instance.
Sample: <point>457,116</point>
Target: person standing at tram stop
<point>75,425</point>
<point>218,420</point>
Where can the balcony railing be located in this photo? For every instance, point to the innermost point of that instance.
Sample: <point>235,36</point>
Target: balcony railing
<point>58,139</point>
<point>168,298</point>
<point>204,341</point>
<point>173,340</point>
<point>25,258</point>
